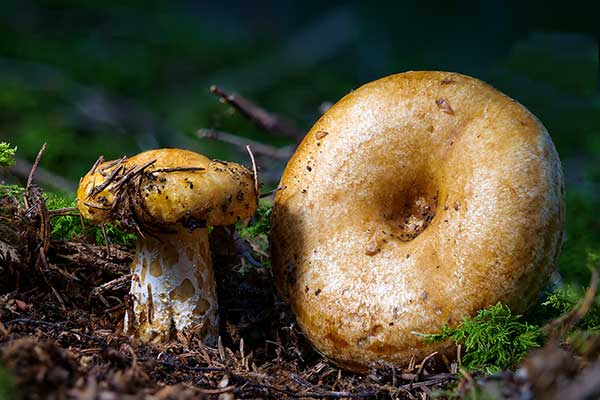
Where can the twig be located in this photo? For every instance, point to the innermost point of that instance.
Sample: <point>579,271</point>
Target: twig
<point>422,366</point>
<point>467,375</point>
<point>106,239</point>
<point>127,176</point>
<point>177,169</point>
<point>95,206</point>
<point>110,164</point>
<point>63,211</point>
<point>270,192</point>
<point>27,193</point>
<point>210,391</point>
<point>258,115</point>
<point>111,285</point>
<point>99,161</point>
<point>435,380</point>
<point>254,172</point>
<point>260,149</point>
<point>115,308</point>
<point>64,273</point>
<point>97,189</point>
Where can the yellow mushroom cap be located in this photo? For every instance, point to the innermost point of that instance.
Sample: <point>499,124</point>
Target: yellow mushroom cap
<point>413,202</point>
<point>167,186</point>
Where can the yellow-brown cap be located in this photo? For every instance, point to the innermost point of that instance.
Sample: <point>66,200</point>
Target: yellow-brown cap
<point>167,186</point>
<point>413,202</point>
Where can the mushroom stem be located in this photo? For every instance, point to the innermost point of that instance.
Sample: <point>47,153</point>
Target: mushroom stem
<point>173,286</point>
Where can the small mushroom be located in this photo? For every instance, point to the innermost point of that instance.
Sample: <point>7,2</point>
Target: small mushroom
<point>170,197</point>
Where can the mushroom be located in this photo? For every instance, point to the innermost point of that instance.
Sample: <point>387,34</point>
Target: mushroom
<point>170,197</point>
<point>413,202</point>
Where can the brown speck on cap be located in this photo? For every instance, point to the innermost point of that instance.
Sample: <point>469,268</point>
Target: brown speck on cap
<point>444,106</point>
<point>321,134</point>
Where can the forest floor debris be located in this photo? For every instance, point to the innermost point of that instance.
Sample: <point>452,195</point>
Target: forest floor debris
<point>61,336</point>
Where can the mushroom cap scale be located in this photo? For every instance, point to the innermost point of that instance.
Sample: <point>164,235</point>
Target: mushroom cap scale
<point>413,202</point>
<point>166,186</point>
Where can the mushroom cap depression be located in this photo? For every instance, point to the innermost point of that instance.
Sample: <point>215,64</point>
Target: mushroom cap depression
<point>415,201</point>
<point>166,186</point>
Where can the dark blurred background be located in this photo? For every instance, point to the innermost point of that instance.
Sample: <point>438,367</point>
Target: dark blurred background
<point>116,77</point>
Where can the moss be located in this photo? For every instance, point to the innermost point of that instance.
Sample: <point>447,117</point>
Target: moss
<point>260,223</point>
<point>65,227</point>
<point>494,340</point>
<point>7,154</point>
<point>11,191</point>
<point>7,159</point>
<point>115,234</point>
<point>257,233</point>
<point>569,296</point>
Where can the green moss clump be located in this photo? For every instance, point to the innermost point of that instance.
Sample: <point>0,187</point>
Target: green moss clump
<point>7,159</point>
<point>261,222</point>
<point>566,298</point>
<point>7,154</point>
<point>115,234</point>
<point>493,341</point>
<point>65,227</point>
<point>11,191</point>
<point>257,233</point>
<point>569,296</point>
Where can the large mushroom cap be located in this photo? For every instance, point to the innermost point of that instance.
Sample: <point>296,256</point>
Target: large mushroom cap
<point>166,186</point>
<point>415,201</point>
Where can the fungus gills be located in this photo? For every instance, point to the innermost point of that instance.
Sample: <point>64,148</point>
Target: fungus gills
<point>173,286</point>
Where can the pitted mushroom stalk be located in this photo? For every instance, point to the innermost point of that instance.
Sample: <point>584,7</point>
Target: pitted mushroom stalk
<point>173,285</point>
<point>169,197</point>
